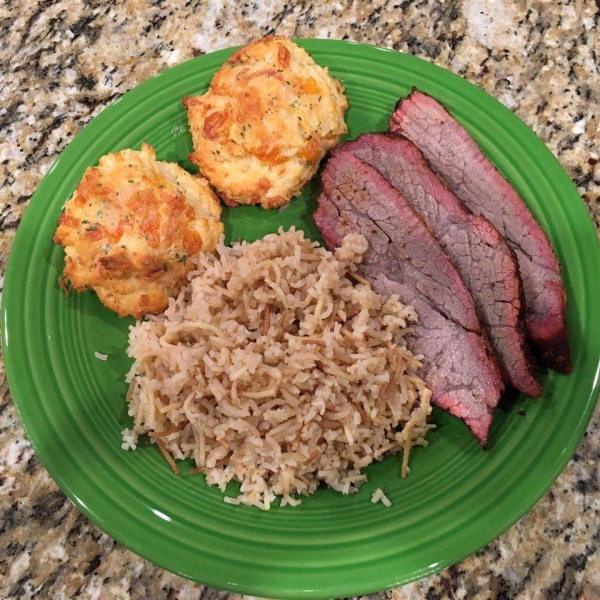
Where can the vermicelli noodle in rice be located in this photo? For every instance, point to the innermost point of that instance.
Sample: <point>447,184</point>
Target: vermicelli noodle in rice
<point>275,368</point>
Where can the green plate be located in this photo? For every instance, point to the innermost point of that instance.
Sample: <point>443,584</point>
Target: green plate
<point>457,498</point>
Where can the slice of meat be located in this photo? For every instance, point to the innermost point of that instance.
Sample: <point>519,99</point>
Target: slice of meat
<point>405,259</point>
<point>461,164</point>
<point>480,254</point>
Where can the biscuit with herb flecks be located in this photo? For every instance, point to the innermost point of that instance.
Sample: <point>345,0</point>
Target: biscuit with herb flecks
<point>130,227</point>
<point>269,117</point>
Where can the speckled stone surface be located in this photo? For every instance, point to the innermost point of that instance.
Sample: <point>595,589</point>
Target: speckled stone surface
<point>62,62</point>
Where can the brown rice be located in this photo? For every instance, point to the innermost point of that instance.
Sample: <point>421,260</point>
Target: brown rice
<point>273,369</point>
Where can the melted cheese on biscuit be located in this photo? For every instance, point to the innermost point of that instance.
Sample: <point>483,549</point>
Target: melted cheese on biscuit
<point>130,226</point>
<point>269,117</point>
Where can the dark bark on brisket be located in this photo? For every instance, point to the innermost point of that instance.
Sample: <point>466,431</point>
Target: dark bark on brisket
<point>480,254</point>
<point>458,160</point>
<point>405,259</point>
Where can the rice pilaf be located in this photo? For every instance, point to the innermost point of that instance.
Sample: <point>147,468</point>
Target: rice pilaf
<point>274,368</point>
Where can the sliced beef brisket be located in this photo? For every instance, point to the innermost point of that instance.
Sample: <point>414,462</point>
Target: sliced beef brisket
<point>459,161</point>
<point>480,254</point>
<point>405,259</point>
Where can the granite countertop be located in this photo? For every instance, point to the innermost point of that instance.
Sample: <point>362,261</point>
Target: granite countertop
<point>63,62</point>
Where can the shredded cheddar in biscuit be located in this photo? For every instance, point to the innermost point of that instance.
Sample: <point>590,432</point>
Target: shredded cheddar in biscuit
<point>269,117</point>
<point>130,226</point>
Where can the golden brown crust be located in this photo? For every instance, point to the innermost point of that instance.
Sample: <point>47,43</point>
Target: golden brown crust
<point>130,226</point>
<point>269,117</point>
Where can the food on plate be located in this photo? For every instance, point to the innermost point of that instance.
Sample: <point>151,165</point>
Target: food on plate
<point>272,369</point>
<point>405,259</point>
<point>486,264</point>
<point>130,227</point>
<point>379,496</point>
<point>270,115</point>
<point>460,163</point>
